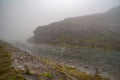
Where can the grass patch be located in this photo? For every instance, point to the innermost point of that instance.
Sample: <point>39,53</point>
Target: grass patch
<point>7,72</point>
<point>70,71</point>
<point>48,75</point>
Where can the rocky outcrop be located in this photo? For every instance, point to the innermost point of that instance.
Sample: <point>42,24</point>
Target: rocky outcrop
<point>92,31</point>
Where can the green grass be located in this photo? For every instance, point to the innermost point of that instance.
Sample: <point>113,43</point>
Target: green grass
<point>70,72</point>
<point>48,75</point>
<point>100,41</point>
<point>7,72</point>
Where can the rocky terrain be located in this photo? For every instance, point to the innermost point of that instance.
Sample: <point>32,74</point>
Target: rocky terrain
<point>91,31</point>
<point>32,67</point>
<point>85,42</point>
<point>86,60</point>
<point>81,48</point>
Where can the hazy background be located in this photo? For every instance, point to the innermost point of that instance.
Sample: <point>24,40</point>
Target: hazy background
<point>19,18</point>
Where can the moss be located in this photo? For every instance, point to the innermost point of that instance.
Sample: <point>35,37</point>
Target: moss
<point>48,75</point>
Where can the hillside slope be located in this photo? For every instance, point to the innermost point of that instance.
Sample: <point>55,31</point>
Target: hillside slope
<point>20,65</point>
<point>7,71</point>
<point>99,31</point>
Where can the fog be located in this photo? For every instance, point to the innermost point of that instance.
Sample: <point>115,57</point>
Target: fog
<point>19,18</point>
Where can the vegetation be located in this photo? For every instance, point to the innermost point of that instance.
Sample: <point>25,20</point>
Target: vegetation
<point>106,61</point>
<point>69,72</point>
<point>7,72</point>
<point>48,75</point>
<point>99,31</point>
<point>27,71</point>
<point>49,70</point>
<point>94,41</point>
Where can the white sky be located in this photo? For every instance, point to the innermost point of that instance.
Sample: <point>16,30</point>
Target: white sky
<point>18,18</point>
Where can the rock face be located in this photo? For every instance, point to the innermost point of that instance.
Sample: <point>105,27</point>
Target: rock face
<point>91,31</point>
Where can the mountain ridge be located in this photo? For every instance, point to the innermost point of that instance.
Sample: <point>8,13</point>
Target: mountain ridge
<point>92,31</point>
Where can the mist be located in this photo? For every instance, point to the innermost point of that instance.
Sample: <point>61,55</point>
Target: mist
<point>19,18</point>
